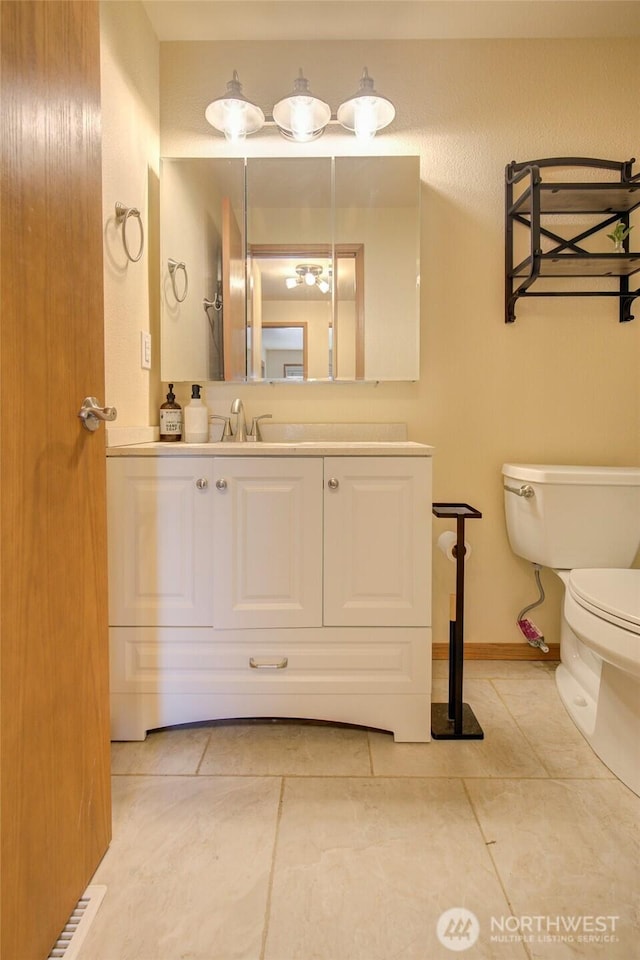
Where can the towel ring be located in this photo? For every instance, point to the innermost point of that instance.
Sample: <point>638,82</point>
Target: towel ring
<point>174,266</point>
<point>122,215</point>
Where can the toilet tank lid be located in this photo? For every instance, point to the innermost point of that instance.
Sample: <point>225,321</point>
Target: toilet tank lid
<point>567,473</point>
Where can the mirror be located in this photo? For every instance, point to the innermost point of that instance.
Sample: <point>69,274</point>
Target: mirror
<point>325,284</point>
<point>203,333</point>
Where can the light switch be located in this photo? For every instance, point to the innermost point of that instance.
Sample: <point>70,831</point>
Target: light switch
<point>145,350</point>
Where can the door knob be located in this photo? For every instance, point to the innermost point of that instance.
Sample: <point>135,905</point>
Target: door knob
<point>221,484</point>
<point>91,413</point>
<point>333,484</point>
<point>202,483</point>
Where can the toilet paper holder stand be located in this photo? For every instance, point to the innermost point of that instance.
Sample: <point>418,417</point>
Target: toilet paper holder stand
<point>456,720</point>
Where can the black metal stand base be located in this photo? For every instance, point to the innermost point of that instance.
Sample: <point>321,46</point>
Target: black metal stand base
<point>442,728</point>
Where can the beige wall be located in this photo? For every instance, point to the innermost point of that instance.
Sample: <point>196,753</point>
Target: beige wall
<point>130,164</point>
<point>560,385</point>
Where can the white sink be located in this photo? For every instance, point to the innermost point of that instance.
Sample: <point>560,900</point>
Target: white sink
<point>333,432</point>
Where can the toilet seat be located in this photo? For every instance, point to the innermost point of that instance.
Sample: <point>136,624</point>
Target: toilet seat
<point>602,607</point>
<point>612,595</point>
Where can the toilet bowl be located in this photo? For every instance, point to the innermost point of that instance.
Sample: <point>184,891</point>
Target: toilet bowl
<point>584,524</point>
<point>602,607</point>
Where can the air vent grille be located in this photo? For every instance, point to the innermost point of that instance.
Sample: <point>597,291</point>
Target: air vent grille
<point>68,944</point>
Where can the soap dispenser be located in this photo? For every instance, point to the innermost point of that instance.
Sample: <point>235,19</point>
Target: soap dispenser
<point>171,418</point>
<point>196,418</point>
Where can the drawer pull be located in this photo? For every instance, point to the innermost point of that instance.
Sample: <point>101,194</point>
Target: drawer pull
<point>268,664</point>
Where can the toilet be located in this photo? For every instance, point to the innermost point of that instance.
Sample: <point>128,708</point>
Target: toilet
<point>584,524</point>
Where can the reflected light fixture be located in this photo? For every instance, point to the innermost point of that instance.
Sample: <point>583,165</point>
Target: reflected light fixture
<point>309,274</point>
<point>301,116</point>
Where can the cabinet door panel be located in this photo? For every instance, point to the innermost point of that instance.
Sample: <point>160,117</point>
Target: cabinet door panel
<point>160,541</point>
<point>377,567</point>
<point>269,519</point>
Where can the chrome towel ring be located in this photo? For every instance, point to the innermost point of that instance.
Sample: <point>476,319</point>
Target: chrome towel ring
<point>174,266</point>
<point>122,215</point>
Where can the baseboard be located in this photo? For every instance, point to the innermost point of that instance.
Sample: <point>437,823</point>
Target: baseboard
<point>499,651</point>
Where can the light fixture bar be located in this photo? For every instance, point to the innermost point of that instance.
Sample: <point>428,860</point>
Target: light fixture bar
<point>301,116</point>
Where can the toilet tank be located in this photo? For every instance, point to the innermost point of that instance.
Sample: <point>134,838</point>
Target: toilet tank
<point>576,516</point>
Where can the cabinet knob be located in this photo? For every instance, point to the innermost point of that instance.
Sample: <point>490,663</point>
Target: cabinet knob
<point>202,483</point>
<point>221,484</point>
<point>332,483</point>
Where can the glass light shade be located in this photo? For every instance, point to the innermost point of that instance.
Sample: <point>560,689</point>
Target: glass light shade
<point>233,114</point>
<point>310,279</point>
<point>292,282</point>
<point>301,116</point>
<point>366,111</point>
<point>324,286</point>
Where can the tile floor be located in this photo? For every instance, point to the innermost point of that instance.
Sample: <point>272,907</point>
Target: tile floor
<point>284,841</point>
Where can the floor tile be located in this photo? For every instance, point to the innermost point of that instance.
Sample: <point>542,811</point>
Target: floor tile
<point>558,743</point>
<point>566,848</point>
<point>488,669</point>
<point>373,841</point>
<point>364,868</point>
<point>187,872</point>
<point>172,752</point>
<point>504,751</point>
<point>286,749</point>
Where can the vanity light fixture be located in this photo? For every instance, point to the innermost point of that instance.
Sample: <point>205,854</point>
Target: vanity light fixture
<point>301,116</point>
<point>366,111</point>
<point>233,114</point>
<point>309,274</point>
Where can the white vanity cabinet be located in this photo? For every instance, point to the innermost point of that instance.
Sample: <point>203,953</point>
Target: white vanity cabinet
<point>160,541</point>
<point>377,564</point>
<point>282,586</point>
<point>267,519</point>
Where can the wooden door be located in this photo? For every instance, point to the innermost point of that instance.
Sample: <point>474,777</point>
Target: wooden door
<point>234,327</point>
<point>377,547</point>
<point>160,541</point>
<point>54,657</point>
<point>268,542</point>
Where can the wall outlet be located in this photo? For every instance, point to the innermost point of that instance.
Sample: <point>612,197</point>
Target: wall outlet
<point>145,350</point>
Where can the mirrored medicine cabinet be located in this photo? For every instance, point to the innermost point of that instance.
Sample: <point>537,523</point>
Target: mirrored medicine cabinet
<point>290,269</point>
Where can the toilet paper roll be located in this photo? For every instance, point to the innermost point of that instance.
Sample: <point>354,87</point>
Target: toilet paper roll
<point>447,542</point>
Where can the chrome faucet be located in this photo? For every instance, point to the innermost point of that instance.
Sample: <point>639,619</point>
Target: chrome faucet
<point>240,433</point>
<point>254,434</point>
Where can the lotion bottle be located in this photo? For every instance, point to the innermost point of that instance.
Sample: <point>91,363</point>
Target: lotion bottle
<point>196,418</point>
<point>171,418</point>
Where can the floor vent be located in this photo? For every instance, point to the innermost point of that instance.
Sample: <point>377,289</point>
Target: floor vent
<point>68,944</point>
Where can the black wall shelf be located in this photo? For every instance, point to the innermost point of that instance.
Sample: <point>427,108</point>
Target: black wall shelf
<point>608,202</point>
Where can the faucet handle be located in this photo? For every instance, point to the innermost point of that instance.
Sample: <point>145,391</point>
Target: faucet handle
<point>254,433</point>
<point>226,430</point>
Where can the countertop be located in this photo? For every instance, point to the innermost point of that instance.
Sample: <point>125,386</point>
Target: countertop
<point>308,448</point>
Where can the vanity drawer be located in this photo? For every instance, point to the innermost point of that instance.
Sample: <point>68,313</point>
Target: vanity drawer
<point>364,660</point>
